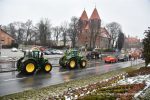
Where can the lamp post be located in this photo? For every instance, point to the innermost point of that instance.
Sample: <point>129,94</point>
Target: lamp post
<point>0,47</point>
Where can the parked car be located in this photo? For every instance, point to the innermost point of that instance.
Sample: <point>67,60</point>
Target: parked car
<point>93,55</point>
<point>59,52</point>
<point>123,57</point>
<point>110,59</point>
<point>56,52</point>
<point>14,49</point>
<point>46,52</point>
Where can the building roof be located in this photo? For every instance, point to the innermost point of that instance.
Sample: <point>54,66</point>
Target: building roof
<point>104,33</point>
<point>132,40</point>
<point>95,15</point>
<point>84,16</point>
<point>1,30</point>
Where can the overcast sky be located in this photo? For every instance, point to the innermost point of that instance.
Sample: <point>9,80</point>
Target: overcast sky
<point>133,15</point>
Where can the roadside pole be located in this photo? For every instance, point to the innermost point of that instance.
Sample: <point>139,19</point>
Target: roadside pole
<point>0,48</point>
<point>131,62</point>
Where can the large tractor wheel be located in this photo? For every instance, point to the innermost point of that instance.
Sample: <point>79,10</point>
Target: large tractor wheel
<point>29,67</point>
<point>72,64</point>
<point>61,63</point>
<point>47,68</point>
<point>83,63</point>
<point>19,63</point>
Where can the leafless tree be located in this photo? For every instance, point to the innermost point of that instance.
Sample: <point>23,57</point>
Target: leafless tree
<point>94,31</point>
<point>114,29</point>
<point>64,29</point>
<point>20,32</point>
<point>44,28</point>
<point>73,30</point>
<point>57,32</point>
<point>28,28</point>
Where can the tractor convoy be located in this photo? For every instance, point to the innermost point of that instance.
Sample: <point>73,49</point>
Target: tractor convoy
<point>33,60</point>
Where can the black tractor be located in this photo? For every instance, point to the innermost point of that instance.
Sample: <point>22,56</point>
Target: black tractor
<point>71,59</point>
<point>32,61</point>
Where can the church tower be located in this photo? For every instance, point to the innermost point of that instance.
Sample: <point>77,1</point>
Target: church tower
<point>89,29</point>
<point>83,21</point>
<point>95,26</point>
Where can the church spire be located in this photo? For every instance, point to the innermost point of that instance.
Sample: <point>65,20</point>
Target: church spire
<point>95,14</point>
<point>84,16</point>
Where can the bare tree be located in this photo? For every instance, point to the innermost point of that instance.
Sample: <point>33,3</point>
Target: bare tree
<point>57,32</point>
<point>20,32</point>
<point>73,30</point>
<point>28,27</point>
<point>94,31</point>
<point>114,29</point>
<point>64,29</point>
<point>44,28</point>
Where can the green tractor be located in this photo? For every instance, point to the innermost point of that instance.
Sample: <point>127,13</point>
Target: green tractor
<point>31,61</point>
<point>72,59</point>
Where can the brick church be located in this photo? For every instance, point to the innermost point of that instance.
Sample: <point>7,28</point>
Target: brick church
<point>91,34</point>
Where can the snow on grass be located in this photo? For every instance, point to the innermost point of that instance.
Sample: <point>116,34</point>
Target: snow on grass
<point>136,80</point>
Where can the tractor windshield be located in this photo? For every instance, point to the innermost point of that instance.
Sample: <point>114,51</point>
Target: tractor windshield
<point>34,54</point>
<point>74,53</point>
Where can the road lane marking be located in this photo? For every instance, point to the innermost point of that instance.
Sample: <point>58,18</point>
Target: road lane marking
<point>14,79</point>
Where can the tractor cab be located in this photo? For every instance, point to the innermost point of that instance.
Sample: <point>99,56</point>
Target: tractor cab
<point>72,53</point>
<point>33,54</point>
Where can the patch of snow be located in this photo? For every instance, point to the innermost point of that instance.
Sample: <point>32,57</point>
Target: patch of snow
<point>136,80</point>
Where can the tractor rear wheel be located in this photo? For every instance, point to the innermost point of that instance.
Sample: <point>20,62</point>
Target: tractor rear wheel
<point>83,63</point>
<point>29,67</point>
<point>61,63</point>
<point>47,68</point>
<point>72,64</point>
<point>19,63</point>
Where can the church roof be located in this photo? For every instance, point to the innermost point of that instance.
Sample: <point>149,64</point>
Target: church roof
<point>104,33</point>
<point>84,16</point>
<point>95,15</point>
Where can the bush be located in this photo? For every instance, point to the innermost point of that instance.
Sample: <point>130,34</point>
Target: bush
<point>109,50</point>
<point>14,45</point>
<point>10,46</point>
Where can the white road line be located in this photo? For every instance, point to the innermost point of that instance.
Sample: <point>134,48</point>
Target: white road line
<point>14,79</point>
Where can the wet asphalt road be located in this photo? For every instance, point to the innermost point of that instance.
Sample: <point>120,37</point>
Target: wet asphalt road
<point>13,82</point>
